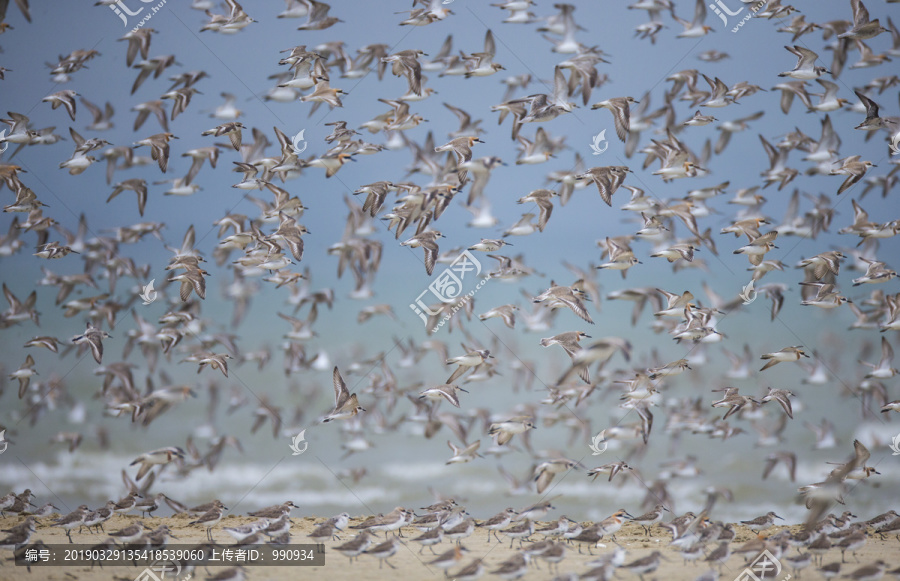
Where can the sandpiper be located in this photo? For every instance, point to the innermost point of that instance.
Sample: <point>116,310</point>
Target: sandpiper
<point>94,337</point>
<point>521,530</point>
<point>345,404</point>
<point>619,107</point>
<point>128,503</point>
<point>72,520</point>
<point>428,242</point>
<point>161,456</point>
<point>761,523</point>
<point>498,522</point>
<point>130,533</point>
<point>648,519</point>
<point>209,520</point>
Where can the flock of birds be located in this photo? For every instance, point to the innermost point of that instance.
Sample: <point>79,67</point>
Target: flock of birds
<point>696,538</point>
<point>268,248</point>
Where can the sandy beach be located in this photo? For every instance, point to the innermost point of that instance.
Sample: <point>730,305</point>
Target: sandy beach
<point>410,564</point>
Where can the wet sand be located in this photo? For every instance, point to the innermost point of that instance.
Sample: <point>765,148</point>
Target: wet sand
<point>410,564</point>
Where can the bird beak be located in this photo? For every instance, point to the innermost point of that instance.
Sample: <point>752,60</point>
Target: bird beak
<point>461,389</point>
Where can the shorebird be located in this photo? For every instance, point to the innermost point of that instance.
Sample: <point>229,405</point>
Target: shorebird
<point>427,241</point>
<point>620,109</point>
<point>159,148</point>
<point>863,28</point>
<point>505,430</point>
<point>345,405</point>
<point>564,296</point>
<point>466,362</point>
<point>71,521</point>
<point>497,522</point>
<point>505,312</point>
<point>853,168</point>
<point>823,263</point>
<point>883,370</point>
<point>644,565</point>
<point>876,272</point>
<point>136,185</point>
<point>607,179</point>
<point>806,68</point>
<point>443,392</point>
<point>465,454</point>
<point>872,122</point>
<point>781,396</point>
<point>647,520</point>
<point>732,400</point>
<point>129,534</point>
<point>210,519</point>
<point>406,63</point>
<point>787,354</point>
<point>232,129</point>
<point>66,98</point>
<point>93,337</point>
<point>544,472</point>
<point>383,551</point>
<point>569,342</point>
<point>153,458</point>
<point>612,469</point>
<point>695,28</point>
